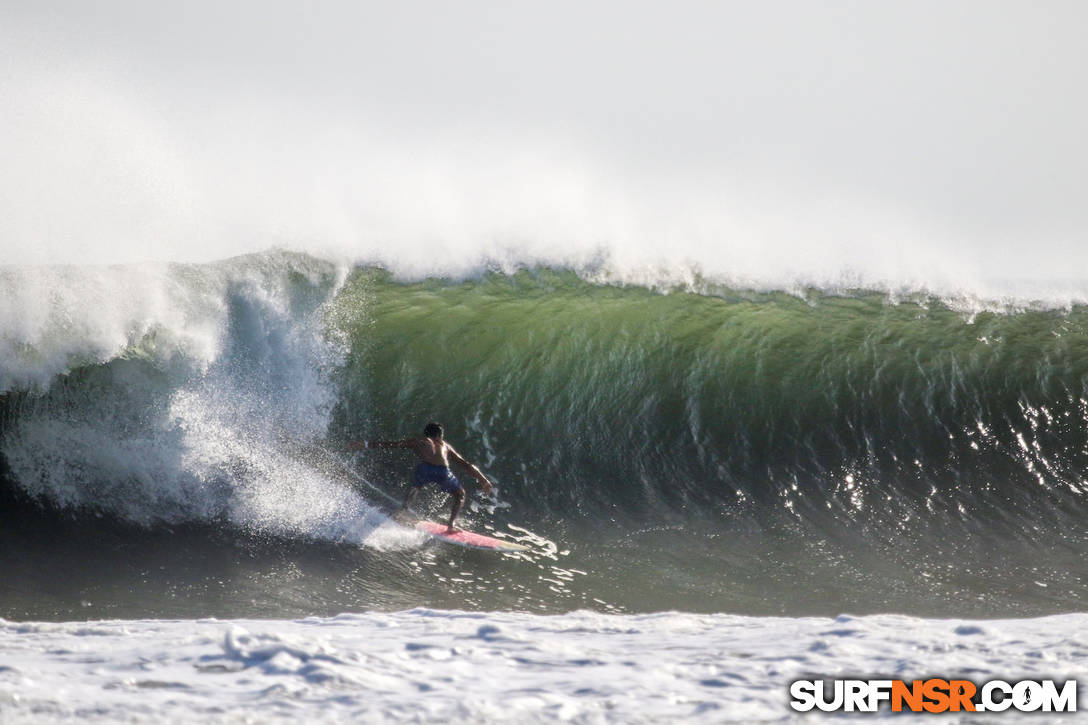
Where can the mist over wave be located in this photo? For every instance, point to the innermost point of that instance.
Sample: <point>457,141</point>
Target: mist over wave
<point>111,161</point>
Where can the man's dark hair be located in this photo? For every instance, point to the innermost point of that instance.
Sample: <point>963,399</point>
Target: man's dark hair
<point>433,430</point>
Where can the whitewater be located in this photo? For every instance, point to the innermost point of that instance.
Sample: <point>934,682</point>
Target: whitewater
<point>424,665</point>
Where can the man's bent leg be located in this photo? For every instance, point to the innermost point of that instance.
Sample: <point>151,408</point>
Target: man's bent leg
<point>458,497</point>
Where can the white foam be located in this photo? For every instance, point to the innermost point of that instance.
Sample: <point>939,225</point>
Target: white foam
<point>443,666</point>
<point>217,426</point>
<point>53,318</point>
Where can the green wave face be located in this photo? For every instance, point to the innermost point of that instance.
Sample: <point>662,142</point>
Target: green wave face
<point>586,397</point>
<point>733,451</point>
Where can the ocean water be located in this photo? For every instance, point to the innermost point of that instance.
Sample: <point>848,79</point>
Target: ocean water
<point>723,487</point>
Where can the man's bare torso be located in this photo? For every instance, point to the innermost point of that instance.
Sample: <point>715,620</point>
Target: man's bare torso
<point>432,451</point>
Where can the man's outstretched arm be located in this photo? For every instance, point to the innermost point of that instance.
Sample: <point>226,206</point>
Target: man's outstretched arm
<point>476,473</point>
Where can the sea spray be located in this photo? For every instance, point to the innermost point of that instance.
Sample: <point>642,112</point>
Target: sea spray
<point>168,401</point>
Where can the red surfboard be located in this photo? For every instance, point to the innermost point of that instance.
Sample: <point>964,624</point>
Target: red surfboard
<point>468,539</point>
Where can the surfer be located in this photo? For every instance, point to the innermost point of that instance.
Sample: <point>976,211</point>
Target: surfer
<point>435,453</point>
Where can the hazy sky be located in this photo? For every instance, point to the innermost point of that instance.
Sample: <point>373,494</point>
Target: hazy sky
<point>201,129</point>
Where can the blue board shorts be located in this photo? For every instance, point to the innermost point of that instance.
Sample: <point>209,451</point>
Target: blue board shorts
<point>442,475</point>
